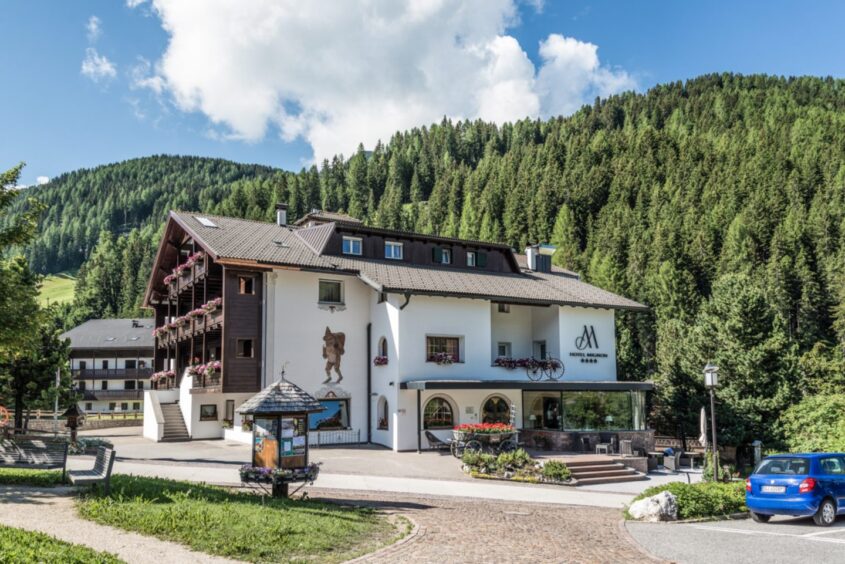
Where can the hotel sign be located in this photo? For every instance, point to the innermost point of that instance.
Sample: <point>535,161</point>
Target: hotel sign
<point>587,345</point>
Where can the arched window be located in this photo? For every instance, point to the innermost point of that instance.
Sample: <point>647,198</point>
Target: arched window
<point>382,347</point>
<point>496,410</point>
<point>438,414</point>
<point>383,414</point>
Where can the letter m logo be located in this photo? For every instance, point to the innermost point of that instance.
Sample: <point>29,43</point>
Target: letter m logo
<point>587,340</point>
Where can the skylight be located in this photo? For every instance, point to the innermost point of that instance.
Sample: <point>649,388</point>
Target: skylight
<point>205,221</point>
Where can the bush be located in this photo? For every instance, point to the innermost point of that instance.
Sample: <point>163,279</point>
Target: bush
<point>513,461</point>
<point>18,546</point>
<point>817,423</point>
<point>704,499</point>
<point>84,444</point>
<point>556,470</point>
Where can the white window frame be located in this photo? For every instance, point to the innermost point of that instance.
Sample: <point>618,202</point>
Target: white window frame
<point>352,242</point>
<point>471,258</point>
<point>507,348</point>
<point>327,281</point>
<point>394,245</point>
<point>445,256</point>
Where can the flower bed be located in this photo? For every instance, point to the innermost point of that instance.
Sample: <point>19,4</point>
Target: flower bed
<point>263,474</point>
<point>516,466</point>
<point>496,431</point>
<point>704,499</point>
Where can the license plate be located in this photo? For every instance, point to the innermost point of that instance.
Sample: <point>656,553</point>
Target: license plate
<point>773,489</point>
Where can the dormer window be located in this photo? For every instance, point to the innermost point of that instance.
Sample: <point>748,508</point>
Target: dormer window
<point>392,250</point>
<point>470,258</point>
<point>440,255</point>
<point>352,246</point>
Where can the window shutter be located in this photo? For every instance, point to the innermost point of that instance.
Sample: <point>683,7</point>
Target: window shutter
<point>481,260</point>
<point>437,254</point>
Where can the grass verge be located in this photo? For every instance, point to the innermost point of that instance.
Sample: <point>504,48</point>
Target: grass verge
<point>704,499</point>
<point>28,477</point>
<point>18,546</point>
<point>239,525</point>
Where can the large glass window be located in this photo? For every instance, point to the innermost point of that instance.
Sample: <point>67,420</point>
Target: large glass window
<point>496,409</point>
<point>438,414</point>
<point>584,410</point>
<point>334,416</point>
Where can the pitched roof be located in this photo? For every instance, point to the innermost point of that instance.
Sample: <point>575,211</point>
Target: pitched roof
<point>112,334</point>
<point>280,398</point>
<point>271,244</point>
<point>322,215</point>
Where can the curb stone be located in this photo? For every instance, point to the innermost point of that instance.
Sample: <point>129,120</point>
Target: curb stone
<point>416,532</point>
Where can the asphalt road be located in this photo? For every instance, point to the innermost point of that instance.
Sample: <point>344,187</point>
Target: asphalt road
<point>783,539</point>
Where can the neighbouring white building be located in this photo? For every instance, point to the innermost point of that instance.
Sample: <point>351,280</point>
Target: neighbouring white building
<point>111,363</point>
<point>398,334</point>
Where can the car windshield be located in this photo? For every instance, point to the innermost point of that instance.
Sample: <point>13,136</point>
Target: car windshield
<point>784,466</point>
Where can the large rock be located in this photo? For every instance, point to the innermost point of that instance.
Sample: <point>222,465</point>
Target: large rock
<point>660,507</point>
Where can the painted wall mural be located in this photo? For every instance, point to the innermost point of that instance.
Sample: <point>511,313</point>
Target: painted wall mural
<point>333,349</point>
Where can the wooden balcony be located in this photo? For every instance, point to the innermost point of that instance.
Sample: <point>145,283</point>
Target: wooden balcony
<point>187,279</point>
<point>207,383</point>
<point>195,327</point>
<point>110,395</point>
<point>112,373</point>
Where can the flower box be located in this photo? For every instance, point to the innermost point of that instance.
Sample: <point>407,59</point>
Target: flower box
<point>380,361</point>
<point>441,358</point>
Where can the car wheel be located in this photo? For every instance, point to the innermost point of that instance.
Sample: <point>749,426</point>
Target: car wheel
<point>826,514</point>
<point>760,518</point>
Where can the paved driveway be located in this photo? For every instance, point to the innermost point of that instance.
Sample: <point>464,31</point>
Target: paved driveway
<point>783,539</point>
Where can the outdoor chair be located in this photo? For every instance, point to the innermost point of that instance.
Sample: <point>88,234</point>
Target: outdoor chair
<point>585,444</point>
<point>612,440</point>
<point>101,473</point>
<point>435,443</point>
<point>672,462</point>
<point>625,448</point>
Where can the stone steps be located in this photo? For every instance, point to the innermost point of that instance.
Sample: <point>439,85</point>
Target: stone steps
<point>174,424</point>
<point>597,471</point>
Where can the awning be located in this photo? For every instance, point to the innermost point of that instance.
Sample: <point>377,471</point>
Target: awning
<point>544,385</point>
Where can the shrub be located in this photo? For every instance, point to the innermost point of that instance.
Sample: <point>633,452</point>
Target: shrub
<point>704,499</point>
<point>480,461</point>
<point>817,423</point>
<point>512,461</point>
<point>30,477</point>
<point>556,470</point>
<point>84,444</point>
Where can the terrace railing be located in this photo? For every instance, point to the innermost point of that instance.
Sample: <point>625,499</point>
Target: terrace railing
<point>111,373</point>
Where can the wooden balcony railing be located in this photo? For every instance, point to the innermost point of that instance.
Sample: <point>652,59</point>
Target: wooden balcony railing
<point>113,395</point>
<point>187,279</point>
<point>111,373</point>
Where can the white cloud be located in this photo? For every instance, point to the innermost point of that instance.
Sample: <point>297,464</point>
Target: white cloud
<point>42,180</point>
<point>97,67</point>
<point>142,76</point>
<point>134,3</point>
<point>93,29</point>
<point>339,73</point>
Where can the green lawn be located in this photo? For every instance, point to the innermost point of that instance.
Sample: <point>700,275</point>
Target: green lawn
<point>18,546</point>
<point>239,525</point>
<point>28,477</point>
<point>58,288</point>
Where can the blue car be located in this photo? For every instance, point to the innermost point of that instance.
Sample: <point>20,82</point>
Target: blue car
<point>798,485</point>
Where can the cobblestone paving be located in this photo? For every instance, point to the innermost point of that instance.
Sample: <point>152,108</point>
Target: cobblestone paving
<point>472,530</point>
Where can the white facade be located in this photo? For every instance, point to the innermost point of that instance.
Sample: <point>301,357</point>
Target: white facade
<point>295,323</point>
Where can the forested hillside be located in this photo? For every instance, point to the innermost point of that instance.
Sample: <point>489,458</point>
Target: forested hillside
<point>719,201</point>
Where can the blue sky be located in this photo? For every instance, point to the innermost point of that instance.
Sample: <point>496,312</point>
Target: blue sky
<point>280,98</point>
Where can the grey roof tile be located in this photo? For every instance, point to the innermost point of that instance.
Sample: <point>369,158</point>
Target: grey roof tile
<point>283,245</point>
<point>281,398</point>
<point>111,334</point>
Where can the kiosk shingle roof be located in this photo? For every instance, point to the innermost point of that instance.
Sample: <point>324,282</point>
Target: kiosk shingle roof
<point>271,244</point>
<point>280,398</point>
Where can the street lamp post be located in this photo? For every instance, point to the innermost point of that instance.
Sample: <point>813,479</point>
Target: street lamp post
<point>711,381</point>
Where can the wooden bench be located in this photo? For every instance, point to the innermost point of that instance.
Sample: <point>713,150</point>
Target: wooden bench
<point>33,452</point>
<point>101,473</point>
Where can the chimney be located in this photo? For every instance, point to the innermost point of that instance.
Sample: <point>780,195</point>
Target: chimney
<point>281,214</point>
<point>540,257</point>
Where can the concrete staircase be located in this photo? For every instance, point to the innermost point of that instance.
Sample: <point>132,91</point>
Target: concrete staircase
<point>607,471</point>
<point>174,424</point>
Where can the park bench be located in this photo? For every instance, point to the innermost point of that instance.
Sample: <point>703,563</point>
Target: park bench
<point>33,452</point>
<point>101,473</point>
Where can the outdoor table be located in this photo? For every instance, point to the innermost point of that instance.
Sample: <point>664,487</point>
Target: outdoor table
<point>693,456</point>
<point>603,448</point>
<point>655,459</point>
